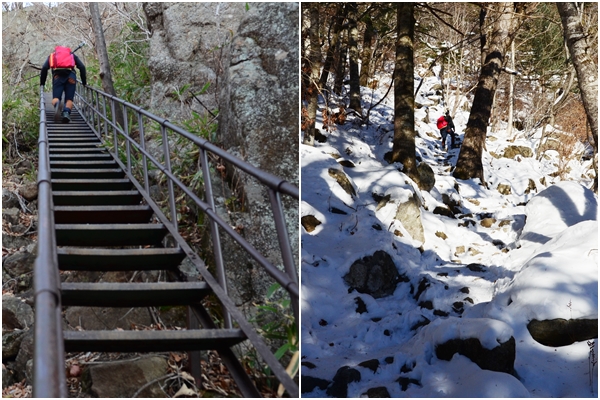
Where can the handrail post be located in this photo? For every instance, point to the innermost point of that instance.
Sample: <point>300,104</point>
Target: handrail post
<point>284,245</point>
<point>143,146</point>
<point>126,133</point>
<point>114,126</point>
<point>214,230</point>
<point>167,156</point>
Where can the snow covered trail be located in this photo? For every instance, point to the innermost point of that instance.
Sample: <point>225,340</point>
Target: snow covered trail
<point>493,259</point>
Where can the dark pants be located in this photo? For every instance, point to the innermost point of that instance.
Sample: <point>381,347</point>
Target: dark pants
<point>445,132</point>
<point>64,84</point>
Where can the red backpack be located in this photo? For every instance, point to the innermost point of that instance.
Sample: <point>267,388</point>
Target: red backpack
<point>441,122</point>
<point>62,58</point>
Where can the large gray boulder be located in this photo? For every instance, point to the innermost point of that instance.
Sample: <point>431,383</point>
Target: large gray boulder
<point>258,122</point>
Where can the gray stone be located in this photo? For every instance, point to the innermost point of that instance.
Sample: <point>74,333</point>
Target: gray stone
<point>561,332</point>
<point>512,151</point>
<point>19,263</point>
<point>15,242</point>
<point>9,200</point>
<point>8,377</point>
<point>125,378</point>
<point>376,275</point>
<point>16,314</point>
<point>409,213</point>
<point>29,191</point>
<point>11,342</point>
<point>342,179</point>
<point>11,215</point>
<point>501,358</point>
<point>378,393</point>
<point>25,354</point>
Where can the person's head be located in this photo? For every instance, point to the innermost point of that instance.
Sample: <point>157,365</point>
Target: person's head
<point>447,112</point>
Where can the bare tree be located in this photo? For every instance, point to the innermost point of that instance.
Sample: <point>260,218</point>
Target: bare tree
<point>587,70</point>
<point>469,164</point>
<point>314,62</point>
<point>355,102</point>
<point>105,75</point>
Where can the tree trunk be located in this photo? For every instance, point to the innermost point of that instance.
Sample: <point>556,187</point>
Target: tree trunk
<point>334,47</point>
<point>340,69</point>
<point>587,70</point>
<point>404,99</point>
<point>367,53</point>
<point>315,66</point>
<point>511,93</point>
<point>105,75</point>
<point>469,164</point>
<point>355,103</point>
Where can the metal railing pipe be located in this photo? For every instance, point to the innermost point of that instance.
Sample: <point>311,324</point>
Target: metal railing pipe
<point>49,378</point>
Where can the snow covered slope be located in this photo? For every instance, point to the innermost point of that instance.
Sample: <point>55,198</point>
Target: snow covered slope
<point>523,249</point>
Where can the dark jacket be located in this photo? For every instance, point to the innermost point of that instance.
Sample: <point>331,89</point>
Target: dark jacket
<point>63,72</point>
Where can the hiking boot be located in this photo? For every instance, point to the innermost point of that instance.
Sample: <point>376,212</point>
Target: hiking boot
<point>66,117</point>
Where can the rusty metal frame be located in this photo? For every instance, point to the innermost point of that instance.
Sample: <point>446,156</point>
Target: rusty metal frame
<point>92,104</point>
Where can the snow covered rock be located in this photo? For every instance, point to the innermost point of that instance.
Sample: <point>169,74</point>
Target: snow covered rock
<point>561,332</point>
<point>409,213</point>
<point>557,208</point>
<point>376,275</point>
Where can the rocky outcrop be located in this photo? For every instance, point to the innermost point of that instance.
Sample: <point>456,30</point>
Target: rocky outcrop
<point>258,122</point>
<point>186,51</point>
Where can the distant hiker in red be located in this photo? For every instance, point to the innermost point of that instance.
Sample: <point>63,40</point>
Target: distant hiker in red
<point>446,127</point>
<point>63,63</point>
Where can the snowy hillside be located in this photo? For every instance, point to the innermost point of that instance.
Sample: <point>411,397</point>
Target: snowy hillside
<point>386,314</point>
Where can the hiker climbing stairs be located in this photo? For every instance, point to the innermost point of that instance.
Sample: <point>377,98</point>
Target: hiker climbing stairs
<point>102,224</point>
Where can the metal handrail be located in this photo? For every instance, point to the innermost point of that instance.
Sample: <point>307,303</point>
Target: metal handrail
<point>48,368</point>
<point>92,104</point>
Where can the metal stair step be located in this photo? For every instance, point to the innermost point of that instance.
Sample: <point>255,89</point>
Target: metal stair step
<point>67,150</point>
<point>84,259</point>
<point>151,341</point>
<point>133,294</point>
<point>102,214</point>
<point>105,197</point>
<point>56,145</point>
<point>62,164</point>
<point>83,157</point>
<point>109,234</point>
<point>91,184</point>
<point>87,173</point>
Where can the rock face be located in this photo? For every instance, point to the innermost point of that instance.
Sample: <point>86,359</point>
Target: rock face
<point>185,49</point>
<point>561,332</point>
<point>376,275</point>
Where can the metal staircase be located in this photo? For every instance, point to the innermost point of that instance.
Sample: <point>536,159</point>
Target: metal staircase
<point>95,216</point>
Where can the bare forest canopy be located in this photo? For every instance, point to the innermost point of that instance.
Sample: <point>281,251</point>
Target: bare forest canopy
<point>356,44</point>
